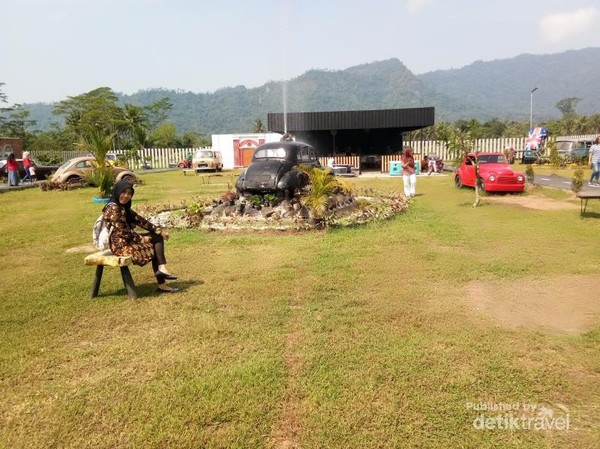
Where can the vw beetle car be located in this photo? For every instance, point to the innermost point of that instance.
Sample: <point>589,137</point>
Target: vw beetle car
<point>494,175</point>
<point>76,169</point>
<point>274,169</point>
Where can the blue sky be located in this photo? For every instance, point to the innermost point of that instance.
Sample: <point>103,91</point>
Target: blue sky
<point>51,49</point>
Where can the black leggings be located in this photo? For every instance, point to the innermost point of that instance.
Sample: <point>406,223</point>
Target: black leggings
<point>159,254</point>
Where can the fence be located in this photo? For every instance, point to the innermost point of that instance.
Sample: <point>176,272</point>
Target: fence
<point>156,157</point>
<point>169,157</point>
<point>354,161</point>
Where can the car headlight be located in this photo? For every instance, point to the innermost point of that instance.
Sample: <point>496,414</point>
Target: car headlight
<point>492,178</point>
<point>520,178</point>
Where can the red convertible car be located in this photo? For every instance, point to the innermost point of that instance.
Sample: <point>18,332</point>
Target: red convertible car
<point>495,175</point>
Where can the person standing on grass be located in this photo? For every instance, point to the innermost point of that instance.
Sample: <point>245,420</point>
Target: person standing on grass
<point>26,166</point>
<point>408,172</point>
<point>594,160</point>
<point>124,241</point>
<point>12,167</point>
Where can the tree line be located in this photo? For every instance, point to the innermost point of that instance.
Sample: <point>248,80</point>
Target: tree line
<point>132,127</point>
<point>98,113</point>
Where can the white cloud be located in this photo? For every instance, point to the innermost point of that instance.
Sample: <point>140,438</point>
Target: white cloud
<point>415,5</point>
<point>556,28</point>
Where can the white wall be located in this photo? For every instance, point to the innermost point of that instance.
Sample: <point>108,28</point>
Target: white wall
<point>224,144</point>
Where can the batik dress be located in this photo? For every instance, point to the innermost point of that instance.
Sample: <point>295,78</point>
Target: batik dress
<point>124,241</point>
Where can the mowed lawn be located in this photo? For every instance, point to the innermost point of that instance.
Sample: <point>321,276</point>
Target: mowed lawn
<point>350,338</point>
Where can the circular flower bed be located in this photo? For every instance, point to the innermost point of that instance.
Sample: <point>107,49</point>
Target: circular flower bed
<point>230,213</point>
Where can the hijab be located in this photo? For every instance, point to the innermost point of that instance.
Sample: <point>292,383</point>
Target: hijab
<point>118,188</point>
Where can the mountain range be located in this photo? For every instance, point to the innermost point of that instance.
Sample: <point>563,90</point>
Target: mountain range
<point>482,90</point>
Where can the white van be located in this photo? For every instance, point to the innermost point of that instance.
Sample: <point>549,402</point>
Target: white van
<point>565,145</point>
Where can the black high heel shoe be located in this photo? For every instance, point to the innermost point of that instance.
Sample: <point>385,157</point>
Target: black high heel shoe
<point>166,276</point>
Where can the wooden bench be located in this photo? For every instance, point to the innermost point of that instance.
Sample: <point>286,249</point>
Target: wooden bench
<point>189,170</point>
<point>584,197</point>
<point>108,259</point>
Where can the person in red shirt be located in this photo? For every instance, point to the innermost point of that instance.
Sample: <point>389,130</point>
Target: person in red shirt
<point>12,166</point>
<point>26,166</point>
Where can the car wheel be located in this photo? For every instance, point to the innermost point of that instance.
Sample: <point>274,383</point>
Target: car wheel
<point>481,184</point>
<point>181,165</point>
<point>458,182</point>
<point>128,178</point>
<point>75,180</point>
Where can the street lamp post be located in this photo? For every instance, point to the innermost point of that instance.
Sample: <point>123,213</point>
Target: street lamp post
<point>531,108</point>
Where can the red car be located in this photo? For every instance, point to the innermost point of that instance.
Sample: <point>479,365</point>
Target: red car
<point>495,175</point>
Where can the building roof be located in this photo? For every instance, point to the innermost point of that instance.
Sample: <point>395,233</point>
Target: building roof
<point>406,119</point>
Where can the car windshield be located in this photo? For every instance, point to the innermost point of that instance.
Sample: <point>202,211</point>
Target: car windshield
<point>564,146</point>
<point>66,164</point>
<point>492,159</point>
<point>204,154</point>
<point>268,153</point>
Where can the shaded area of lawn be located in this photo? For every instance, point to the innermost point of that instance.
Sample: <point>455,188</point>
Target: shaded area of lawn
<point>351,338</point>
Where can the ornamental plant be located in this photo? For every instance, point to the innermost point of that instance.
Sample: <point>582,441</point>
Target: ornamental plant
<point>577,180</point>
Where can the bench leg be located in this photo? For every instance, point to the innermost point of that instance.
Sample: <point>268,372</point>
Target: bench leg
<point>584,202</point>
<point>97,280</point>
<point>128,281</point>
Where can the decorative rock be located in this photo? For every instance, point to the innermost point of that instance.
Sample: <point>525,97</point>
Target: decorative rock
<point>303,213</point>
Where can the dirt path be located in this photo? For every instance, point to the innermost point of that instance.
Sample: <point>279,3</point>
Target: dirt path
<point>563,304</point>
<point>287,432</point>
<point>532,202</point>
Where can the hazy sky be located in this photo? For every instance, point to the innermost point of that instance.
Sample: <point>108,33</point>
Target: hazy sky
<point>51,49</point>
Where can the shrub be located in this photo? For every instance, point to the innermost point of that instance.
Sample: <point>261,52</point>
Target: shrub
<point>529,174</point>
<point>577,180</point>
<point>103,178</point>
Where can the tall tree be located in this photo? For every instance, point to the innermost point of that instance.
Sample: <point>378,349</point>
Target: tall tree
<point>259,126</point>
<point>164,136</point>
<point>567,106</point>
<point>3,96</point>
<point>17,124</point>
<point>158,112</point>
<point>94,111</point>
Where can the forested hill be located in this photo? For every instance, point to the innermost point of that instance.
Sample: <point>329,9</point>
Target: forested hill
<point>482,90</point>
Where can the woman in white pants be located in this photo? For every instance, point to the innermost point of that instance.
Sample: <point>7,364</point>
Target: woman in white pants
<point>408,172</point>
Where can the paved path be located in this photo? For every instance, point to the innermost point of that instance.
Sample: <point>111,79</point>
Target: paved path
<point>560,182</point>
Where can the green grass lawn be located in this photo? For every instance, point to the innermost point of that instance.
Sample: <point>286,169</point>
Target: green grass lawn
<point>351,338</point>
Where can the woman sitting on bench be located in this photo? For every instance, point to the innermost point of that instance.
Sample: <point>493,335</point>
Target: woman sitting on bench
<point>124,241</point>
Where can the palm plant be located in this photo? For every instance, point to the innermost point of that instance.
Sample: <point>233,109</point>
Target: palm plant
<point>99,144</point>
<point>322,184</point>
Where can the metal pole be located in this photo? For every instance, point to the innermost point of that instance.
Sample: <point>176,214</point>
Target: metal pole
<point>531,108</point>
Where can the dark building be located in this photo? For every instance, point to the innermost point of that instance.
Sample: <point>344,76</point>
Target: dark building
<point>360,133</point>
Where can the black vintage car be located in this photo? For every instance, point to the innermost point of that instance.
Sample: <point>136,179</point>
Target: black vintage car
<point>41,171</point>
<point>274,169</point>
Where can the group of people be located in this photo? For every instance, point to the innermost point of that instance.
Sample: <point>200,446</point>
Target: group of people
<point>12,167</point>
